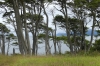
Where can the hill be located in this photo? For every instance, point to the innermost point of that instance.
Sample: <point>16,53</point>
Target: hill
<point>88,33</point>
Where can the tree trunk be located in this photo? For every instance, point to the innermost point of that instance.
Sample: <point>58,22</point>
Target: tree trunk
<point>74,37</point>
<point>35,32</point>
<point>54,34</point>
<point>8,46</point>
<point>92,33</point>
<point>55,40</point>
<point>0,42</point>
<point>26,31</point>
<point>13,51</point>
<point>47,36</point>
<point>21,41</point>
<point>59,47</point>
<point>68,29</point>
<point>3,44</point>
<point>34,44</point>
<point>82,47</point>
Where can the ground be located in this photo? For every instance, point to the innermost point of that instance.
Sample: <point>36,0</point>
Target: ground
<point>49,60</point>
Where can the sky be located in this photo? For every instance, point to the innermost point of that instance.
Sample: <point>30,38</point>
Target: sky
<point>56,12</point>
<point>48,9</point>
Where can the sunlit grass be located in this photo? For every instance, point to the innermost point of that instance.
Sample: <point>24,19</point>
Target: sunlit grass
<point>50,61</point>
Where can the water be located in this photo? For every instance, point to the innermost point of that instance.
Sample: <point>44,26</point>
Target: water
<point>41,49</point>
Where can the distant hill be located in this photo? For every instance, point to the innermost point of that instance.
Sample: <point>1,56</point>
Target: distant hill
<point>88,33</point>
<point>61,34</point>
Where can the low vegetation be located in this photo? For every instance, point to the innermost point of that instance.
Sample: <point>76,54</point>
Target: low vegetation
<point>49,60</point>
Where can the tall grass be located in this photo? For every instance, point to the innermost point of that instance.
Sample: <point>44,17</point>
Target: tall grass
<point>50,61</point>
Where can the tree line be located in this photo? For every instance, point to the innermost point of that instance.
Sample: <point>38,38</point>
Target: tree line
<point>27,16</point>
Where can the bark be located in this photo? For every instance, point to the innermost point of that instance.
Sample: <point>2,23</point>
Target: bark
<point>13,51</point>
<point>35,31</point>
<point>21,41</point>
<point>26,31</point>
<point>54,33</point>
<point>34,44</point>
<point>48,51</point>
<point>0,42</point>
<point>92,33</point>
<point>55,40</point>
<point>59,47</point>
<point>3,44</point>
<point>68,29</point>
<point>82,47</point>
<point>8,46</point>
<point>74,37</point>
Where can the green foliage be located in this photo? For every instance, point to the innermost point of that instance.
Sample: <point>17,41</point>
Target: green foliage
<point>29,1</point>
<point>79,3</point>
<point>73,22</point>
<point>94,4</point>
<point>59,18</point>
<point>96,46</point>
<point>11,36</point>
<point>61,38</point>
<point>9,1</point>
<point>41,36</point>
<point>98,32</point>
<point>35,17</point>
<point>7,13</point>
<point>60,21</point>
<point>3,28</point>
<point>93,53</point>
<point>15,44</point>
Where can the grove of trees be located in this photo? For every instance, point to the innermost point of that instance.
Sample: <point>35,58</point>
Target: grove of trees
<point>27,16</point>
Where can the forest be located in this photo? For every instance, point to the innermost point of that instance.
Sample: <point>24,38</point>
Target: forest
<point>32,16</point>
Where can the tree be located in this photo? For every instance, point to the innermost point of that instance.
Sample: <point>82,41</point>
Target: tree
<point>3,31</point>
<point>42,35</point>
<point>96,46</point>
<point>26,30</point>
<point>60,40</point>
<point>54,32</point>
<point>74,26</point>
<point>35,21</point>
<point>93,7</point>
<point>78,8</point>
<point>64,11</point>
<point>47,23</point>
<point>10,38</point>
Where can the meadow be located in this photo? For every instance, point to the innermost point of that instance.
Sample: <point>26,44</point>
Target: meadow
<point>49,60</point>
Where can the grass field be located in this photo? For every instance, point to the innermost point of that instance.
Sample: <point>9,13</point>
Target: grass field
<point>49,60</point>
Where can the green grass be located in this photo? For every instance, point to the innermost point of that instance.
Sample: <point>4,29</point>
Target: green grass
<point>50,61</point>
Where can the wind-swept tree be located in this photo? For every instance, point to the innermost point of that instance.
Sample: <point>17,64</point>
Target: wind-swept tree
<point>10,38</point>
<point>43,28</point>
<point>64,10</point>
<point>60,40</point>
<point>93,7</point>
<point>74,25</point>
<point>3,31</point>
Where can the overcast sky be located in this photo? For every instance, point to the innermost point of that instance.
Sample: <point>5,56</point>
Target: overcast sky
<point>49,8</point>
